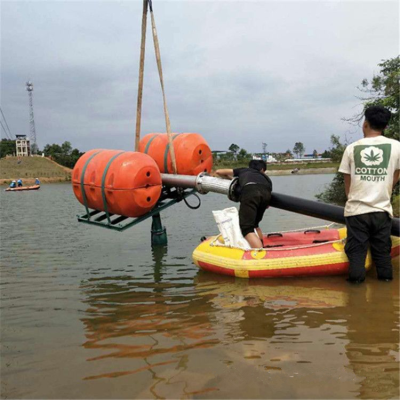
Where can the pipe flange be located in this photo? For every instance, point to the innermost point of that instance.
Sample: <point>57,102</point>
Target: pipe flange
<point>234,190</point>
<point>199,181</point>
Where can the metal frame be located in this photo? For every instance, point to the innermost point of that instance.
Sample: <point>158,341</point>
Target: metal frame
<point>120,223</point>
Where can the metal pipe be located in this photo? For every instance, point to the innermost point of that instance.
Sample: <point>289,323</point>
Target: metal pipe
<point>181,181</point>
<point>204,184</point>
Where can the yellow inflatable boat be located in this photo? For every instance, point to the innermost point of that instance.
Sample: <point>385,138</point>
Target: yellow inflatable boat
<point>312,252</point>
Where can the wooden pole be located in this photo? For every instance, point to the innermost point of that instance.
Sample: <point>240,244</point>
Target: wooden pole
<point>141,73</point>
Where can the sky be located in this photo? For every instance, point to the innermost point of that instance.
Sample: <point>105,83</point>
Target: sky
<point>243,72</point>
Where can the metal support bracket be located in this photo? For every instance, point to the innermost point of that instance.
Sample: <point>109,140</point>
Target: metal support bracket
<point>158,232</point>
<point>120,223</point>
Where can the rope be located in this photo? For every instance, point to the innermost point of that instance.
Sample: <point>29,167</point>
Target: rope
<point>215,243</point>
<point>141,74</point>
<point>306,229</point>
<point>159,66</point>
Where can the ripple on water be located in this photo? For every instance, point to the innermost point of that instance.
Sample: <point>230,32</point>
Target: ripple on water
<point>100,314</point>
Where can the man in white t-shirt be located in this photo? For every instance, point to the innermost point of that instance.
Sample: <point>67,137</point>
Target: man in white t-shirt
<point>371,168</point>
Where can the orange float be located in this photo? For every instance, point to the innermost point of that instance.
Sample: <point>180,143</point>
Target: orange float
<point>192,153</point>
<point>119,182</point>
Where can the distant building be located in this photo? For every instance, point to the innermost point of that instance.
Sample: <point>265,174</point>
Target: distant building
<point>307,160</point>
<point>23,146</point>
<point>268,159</point>
<point>312,155</point>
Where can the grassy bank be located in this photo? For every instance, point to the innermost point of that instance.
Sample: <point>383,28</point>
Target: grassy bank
<point>29,168</point>
<point>280,167</point>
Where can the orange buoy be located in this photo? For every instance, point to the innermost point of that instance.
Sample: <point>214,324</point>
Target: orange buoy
<point>121,182</point>
<point>193,155</point>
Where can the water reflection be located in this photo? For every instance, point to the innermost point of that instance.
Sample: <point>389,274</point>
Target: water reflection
<point>158,326</point>
<point>373,347</point>
<point>103,317</point>
<point>156,322</point>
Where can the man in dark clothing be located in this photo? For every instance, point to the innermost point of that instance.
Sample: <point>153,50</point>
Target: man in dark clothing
<point>256,188</point>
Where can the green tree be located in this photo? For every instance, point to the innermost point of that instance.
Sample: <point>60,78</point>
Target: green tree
<point>334,193</point>
<point>315,154</point>
<point>326,154</point>
<point>53,150</point>
<point>7,147</point>
<point>66,148</point>
<point>75,155</point>
<point>288,153</point>
<point>383,90</point>
<point>234,148</point>
<point>299,149</point>
<point>243,155</point>
<point>63,154</point>
<point>337,149</point>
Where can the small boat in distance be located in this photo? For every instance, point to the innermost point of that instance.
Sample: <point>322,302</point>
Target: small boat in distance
<point>22,188</point>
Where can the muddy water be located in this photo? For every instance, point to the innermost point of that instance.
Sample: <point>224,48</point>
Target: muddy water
<point>88,313</point>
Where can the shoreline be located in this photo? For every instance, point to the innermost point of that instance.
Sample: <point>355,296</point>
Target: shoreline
<point>305,171</point>
<point>31,181</point>
<point>274,172</point>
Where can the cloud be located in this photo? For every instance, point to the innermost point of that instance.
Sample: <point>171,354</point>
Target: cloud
<point>236,72</point>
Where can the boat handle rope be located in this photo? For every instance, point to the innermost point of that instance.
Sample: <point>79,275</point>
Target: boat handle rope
<point>215,243</point>
<point>83,185</point>
<point>103,181</point>
<point>313,227</point>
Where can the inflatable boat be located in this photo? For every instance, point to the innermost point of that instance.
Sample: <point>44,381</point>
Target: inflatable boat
<point>22,188</point>
<point>312,252</point>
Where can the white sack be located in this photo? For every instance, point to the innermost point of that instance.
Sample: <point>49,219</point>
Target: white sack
<point>228,225</point>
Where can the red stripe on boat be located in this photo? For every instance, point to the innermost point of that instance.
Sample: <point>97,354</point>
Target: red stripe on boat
<point>319,270</point>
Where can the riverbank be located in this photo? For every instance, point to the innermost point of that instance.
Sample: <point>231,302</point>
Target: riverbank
<point>304,171</point>
<point>48,171</point>
<point>280,169</point>
<point>30,168</point>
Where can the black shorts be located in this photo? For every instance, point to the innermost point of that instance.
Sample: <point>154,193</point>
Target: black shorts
<point>254,200</point>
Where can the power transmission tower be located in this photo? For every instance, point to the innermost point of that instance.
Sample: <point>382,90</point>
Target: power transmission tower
<point>264,146</point>
<point>29,88</point>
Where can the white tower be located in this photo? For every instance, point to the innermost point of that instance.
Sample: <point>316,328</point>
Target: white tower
<point>29,88</point>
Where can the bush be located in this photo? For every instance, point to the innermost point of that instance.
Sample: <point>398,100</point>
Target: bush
<point>335,192</point>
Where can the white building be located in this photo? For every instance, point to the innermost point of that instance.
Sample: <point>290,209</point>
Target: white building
<point>269,159</point>
<point>23,146</point>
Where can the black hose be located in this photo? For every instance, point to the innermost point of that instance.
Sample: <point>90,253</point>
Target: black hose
<point>317,210</point>
<point>193,207</point>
